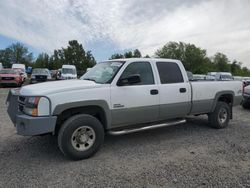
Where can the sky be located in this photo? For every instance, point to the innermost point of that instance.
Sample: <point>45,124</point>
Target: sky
<point>115,26</point>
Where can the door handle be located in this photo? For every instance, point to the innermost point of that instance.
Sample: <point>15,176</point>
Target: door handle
<point>183,90</point>
<point>154,92</point>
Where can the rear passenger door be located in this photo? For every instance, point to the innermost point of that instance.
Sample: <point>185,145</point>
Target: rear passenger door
<point>175,94</point>
<point>135,103</point>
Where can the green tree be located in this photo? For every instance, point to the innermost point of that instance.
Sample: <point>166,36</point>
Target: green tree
<point>116,56</point>
<point>128,54</point>
<point>74,54</point>
<point>42,61</point>
<point>16,53</point>
<point>193,58</point>
<point>221,62</point>
<point>19,53</point>
<point>136,53</point>
<point>236,68</point>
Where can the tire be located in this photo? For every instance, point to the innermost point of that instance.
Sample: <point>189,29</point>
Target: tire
<point>80,137</point>
<point>246,105</point>
<point>220,117</point>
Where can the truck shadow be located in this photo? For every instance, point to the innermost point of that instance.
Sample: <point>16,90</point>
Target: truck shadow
<point>45,148</point>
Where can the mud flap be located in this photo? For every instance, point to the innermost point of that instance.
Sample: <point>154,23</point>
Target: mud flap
<point>12,104</point>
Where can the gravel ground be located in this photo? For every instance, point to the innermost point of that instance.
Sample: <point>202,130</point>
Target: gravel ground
<point>188,155</point>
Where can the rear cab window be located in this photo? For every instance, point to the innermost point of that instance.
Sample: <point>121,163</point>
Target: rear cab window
<point>169,72</point>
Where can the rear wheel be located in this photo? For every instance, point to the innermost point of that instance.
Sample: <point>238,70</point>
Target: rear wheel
<point>220,117</point>
<point>80,136</point>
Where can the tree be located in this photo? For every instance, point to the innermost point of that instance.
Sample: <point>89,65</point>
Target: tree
<point>236,68</point>
<point>16,53</point>
<point>221,62</point>
<point>129,54</point>
<point>19,53</point>
<point>136,53</point>
<point>193,58</point>
<point>42,61</point>
<point>116,56</point>
<point>74,54</point>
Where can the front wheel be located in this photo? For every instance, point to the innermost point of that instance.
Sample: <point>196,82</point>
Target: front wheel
<point>220,117</point>
<point>80,136</point>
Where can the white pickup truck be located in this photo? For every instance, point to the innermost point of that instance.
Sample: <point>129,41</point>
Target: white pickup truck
<point>118,97</point>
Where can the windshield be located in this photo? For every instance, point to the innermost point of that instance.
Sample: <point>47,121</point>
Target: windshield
<point>8,71</point>
<point>226,77</point>
<point>103,72</point>
<point>40,71</point>
<point>68,71</point>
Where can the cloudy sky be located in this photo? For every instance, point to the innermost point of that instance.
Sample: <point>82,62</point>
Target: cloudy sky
<point>109,26</point>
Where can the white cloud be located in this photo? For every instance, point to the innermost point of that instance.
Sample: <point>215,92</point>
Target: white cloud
<point>214,25</point>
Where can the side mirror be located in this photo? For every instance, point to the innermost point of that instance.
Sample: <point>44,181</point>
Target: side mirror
<point>130,80</point>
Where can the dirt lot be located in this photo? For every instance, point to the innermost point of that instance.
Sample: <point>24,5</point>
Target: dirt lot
<point>188,155</point>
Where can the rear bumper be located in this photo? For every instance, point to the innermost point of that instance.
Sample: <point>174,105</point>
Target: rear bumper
<point>30,126</point>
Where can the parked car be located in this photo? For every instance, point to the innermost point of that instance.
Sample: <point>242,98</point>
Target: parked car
<point>209,78</point>
<point>68,72</point>
<point>223,76</point>
<point>197,77</point>
<point>11,77</point>
<point>22,68</point>
<point>246,97</point>
<point>40,75</point>
<point>238,78</point>
<point>119,97</point>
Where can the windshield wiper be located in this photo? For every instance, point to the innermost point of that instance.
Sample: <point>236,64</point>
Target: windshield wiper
<point>91,79</point>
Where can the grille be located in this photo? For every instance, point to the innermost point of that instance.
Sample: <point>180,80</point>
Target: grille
<point>8,78</point>
<point>41,77</point>
<point>21,103</point>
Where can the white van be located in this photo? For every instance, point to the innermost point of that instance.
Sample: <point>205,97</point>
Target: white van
<point>21,67</point>
<point>68,72</point>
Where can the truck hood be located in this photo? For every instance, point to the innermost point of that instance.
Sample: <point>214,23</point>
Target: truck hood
<point>56,87</point>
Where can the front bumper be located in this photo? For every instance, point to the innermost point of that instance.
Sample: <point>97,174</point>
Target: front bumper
<point>28,125</point>
<point>9,82</point>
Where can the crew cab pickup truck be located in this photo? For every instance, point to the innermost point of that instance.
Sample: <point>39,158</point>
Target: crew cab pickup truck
<point>118,97</point>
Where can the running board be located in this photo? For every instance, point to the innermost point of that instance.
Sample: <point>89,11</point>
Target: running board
<point>127,131</point>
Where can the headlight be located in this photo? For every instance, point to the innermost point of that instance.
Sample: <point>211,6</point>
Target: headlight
<point>31,106</point>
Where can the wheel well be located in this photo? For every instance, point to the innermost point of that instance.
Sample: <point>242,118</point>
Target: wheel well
<point>227,98</point>
<point>95,111</point>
